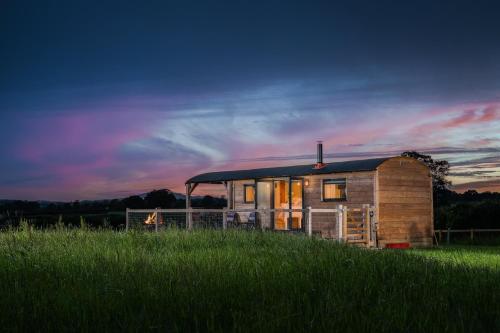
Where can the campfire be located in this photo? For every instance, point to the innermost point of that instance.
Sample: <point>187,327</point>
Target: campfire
<point>152,219</point>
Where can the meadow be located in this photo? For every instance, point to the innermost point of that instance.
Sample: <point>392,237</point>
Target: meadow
<point>177,281</point>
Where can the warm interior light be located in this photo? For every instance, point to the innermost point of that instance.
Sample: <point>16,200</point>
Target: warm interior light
<point>306,182</point>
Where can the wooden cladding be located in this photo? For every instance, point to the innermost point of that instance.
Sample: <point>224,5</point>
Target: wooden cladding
<point>404,202</point>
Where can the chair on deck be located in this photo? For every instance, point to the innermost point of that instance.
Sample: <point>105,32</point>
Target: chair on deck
<point>233,219</point>
<point>254,220</point>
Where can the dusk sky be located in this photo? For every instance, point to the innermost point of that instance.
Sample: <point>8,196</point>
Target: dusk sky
<point>107,99</point>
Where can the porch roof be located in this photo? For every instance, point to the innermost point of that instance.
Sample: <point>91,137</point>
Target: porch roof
<point>288,171</point>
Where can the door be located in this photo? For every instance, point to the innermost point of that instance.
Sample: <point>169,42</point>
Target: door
<point>264,201</point>
<point>281,194</point>
<point>296,202</point>
<point>281,201</point>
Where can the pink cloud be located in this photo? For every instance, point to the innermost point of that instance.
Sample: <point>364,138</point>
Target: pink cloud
<point>490,113</point>
<point>461,117</point>
<point>77,148</point>
<point>467,117</point>
<point>480,186</point>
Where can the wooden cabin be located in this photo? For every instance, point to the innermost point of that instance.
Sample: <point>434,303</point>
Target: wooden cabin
<point>398,188</point>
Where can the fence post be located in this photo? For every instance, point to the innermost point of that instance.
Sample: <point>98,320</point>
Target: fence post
<point>373,225</point>
<point>471,234</point>
<point>126,219</point>
<point>448,237</point>
<point>344,223</point>
<point>224,219</point>
<point>157,218</point>
<point>309,221</point>
<point>190,216</point>
<point>340,222</point>
<point>271,221</point>
<point>366,214</point>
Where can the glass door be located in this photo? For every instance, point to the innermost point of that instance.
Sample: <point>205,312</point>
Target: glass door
<point>281,194</point>
<point>281,201</point>
<point>264,201</point>
<point>296,198</point>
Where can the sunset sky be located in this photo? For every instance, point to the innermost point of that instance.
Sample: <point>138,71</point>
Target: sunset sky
<point>106,99</point>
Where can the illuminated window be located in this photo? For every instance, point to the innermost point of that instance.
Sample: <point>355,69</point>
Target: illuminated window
<point>249,193</point>
<point>334,189</point>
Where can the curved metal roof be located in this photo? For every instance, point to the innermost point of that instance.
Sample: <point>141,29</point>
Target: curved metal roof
<point>288,171</point>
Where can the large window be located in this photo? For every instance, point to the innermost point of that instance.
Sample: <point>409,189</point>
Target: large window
<point>334,189</point>
<point>249,193</point>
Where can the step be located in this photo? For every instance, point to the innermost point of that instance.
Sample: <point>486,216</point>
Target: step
<point>357,241</point>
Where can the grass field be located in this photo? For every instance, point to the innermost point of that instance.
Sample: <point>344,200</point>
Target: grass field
<point>80,280</point>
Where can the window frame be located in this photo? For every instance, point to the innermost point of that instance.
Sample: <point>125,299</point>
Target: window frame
<point>333,180</point>
<point>245,193</point>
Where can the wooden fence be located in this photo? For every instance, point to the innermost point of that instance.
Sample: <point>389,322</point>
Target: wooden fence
<point>471,232</point>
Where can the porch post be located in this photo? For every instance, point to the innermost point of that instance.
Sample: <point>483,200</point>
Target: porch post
<point>188,207</point>
<point>228,194</point>
<point>229,188</point>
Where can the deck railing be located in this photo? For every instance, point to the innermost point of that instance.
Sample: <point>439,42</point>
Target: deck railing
<point>350,224</point>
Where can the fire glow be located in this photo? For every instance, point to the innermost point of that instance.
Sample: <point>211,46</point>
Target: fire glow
<point>151,219</point>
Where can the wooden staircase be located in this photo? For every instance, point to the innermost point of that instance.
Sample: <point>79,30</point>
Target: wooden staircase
<point>357,227</point>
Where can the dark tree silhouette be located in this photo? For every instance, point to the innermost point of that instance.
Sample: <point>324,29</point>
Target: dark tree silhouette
<point>116,205</point>
<point>160,199</point>
<point>134,202</point>
<point>439,169</point>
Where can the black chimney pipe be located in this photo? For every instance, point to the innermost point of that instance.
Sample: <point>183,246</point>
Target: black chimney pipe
<point>319,155</point>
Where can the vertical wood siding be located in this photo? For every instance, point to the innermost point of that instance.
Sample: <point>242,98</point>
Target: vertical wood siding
<point>404,202</point>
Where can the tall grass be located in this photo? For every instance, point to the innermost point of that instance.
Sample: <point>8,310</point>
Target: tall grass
<point>82,280</point>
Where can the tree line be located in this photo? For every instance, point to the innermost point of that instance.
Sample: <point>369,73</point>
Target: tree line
<point>454,210</point>
<point>95,213</point>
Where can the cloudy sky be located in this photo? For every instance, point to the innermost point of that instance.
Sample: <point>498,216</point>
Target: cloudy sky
<point>105,99</point>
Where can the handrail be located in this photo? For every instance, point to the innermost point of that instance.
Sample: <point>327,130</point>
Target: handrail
<point>466,230</point>
<point>220,210</point>
<point>242,210</point>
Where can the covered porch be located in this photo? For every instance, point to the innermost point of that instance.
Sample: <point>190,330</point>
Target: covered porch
<point>277,202</point>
